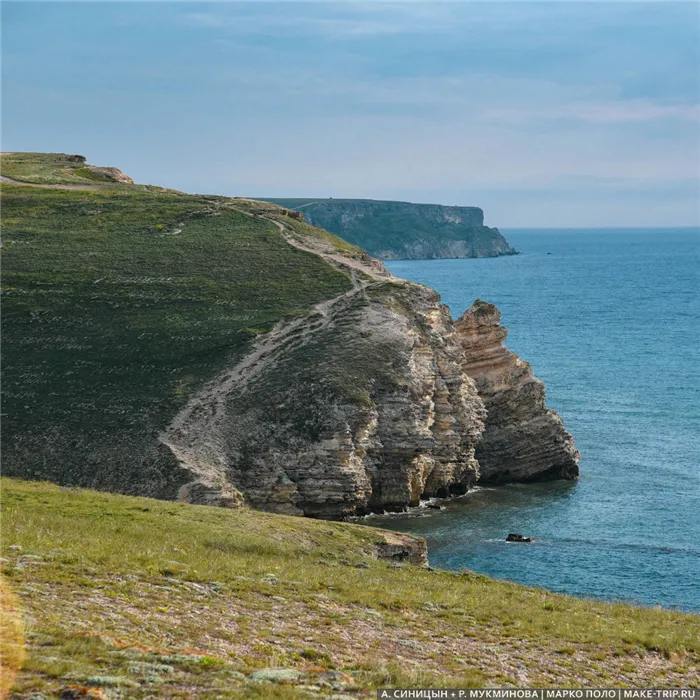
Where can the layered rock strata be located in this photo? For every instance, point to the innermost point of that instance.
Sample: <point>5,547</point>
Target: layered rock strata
<point>379,402</point>
<point>363,409</point>
<point>523,440</point>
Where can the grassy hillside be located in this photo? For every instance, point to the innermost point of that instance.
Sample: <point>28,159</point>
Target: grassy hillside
<point>144,597</point>
<point>118,303</point>
<point>396,230</point>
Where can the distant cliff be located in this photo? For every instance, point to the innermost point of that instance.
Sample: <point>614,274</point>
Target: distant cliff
<point>405,231</point>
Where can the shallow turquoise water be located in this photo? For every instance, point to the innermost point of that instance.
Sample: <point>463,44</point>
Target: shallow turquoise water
<point>610,321</point>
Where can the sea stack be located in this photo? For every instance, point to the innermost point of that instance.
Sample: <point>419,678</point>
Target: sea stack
<point>523,440</point>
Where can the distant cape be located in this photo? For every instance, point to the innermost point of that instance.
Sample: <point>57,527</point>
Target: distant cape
<point>403,230</point>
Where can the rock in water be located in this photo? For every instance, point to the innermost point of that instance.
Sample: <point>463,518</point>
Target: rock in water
<point>523,439</point>
<point>515,537</point>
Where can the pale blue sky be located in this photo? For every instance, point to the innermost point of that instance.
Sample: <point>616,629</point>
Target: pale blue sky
<point>544,114</point>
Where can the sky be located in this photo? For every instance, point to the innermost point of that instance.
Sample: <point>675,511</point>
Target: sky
<point>551,114</point>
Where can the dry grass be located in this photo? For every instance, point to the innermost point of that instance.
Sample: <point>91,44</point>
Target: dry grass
<point>11,638</point>
<point>144,597</point>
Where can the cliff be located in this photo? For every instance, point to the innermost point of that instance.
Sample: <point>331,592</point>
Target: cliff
<point>379,403</point>
<point>522,440</point>
<point>362,407</point>
<point>403,230</point>
<point>222,351</point>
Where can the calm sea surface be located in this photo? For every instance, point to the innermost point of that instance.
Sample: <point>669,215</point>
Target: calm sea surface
<point>610,321</point>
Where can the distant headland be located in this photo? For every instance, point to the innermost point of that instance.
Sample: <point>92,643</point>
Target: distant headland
<point>403,230</point>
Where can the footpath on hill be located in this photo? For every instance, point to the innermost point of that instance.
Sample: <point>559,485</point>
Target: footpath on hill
<point>57,186</point>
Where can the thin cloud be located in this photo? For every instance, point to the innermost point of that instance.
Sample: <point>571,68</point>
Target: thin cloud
<point>610,113</point>
<point>338,22</point>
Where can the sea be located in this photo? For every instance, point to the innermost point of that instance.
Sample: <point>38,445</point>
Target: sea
<point>610,321</point>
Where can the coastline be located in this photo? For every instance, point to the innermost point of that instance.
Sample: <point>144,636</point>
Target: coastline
<point>584,317</point>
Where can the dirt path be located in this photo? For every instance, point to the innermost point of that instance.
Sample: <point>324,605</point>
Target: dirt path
<point>336,260</point>
<point>12,181</point>
<point>197,435</point>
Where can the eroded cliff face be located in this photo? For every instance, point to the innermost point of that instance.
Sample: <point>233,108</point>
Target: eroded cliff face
<point>286,370</point>
<point>372,403</point>
<point>362,407</point>
<point>523,440</point>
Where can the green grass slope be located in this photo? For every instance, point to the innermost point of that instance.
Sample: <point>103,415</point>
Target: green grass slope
<point>133,597</point>
<point>118,303</point>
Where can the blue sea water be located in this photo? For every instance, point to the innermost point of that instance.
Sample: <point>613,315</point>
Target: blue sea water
<point>610,321</point>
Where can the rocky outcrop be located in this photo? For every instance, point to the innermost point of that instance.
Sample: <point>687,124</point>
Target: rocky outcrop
<point>365,408</point>
<point>523,440</point>
<point>113,174</point>
<point>403,230</point>
<point>402,548</point>
<point>371,406</point>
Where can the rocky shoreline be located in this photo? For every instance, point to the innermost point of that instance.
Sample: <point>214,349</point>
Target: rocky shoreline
<point>386,402</point>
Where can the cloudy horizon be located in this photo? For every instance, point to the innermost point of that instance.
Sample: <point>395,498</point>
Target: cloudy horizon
<point>543,114</point>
